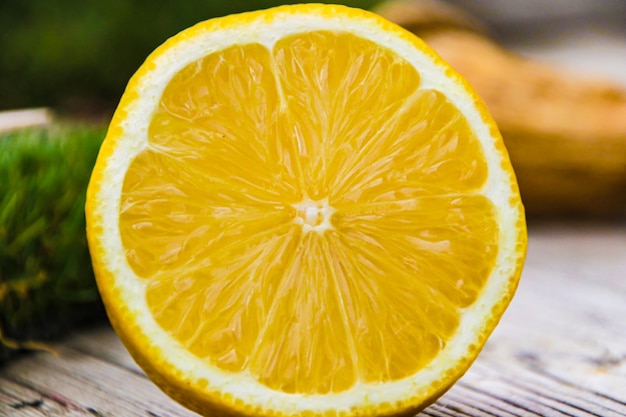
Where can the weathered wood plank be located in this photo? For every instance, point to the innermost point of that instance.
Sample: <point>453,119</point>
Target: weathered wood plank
<point>99,387</point>
<point>16,399</point>
<point>104,344</point>
<point>560,349</point>
<point>568,320</point>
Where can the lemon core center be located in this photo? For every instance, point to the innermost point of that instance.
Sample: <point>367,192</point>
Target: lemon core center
<point>314,215</point>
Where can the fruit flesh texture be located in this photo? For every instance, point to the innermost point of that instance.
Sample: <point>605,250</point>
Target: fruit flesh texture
<point>308,214</point>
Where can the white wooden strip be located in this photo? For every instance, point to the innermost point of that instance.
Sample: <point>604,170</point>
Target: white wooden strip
<point>18,119</point>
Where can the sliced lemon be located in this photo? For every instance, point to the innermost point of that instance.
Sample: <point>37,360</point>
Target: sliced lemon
<point>303,211</point>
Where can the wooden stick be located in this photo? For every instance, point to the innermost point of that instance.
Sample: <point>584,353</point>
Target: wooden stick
<point>17,119</point>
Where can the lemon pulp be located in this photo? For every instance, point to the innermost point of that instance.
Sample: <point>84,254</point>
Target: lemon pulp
<point>309,213</point>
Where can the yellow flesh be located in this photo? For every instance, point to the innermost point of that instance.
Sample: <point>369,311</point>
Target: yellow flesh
<point>308,214</point>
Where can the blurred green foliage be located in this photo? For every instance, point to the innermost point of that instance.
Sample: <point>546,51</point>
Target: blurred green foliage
<point>47,285</point>
<point>70,53</point>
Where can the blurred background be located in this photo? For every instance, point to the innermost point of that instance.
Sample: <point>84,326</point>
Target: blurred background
<point>586,36</point>
<point>77,56</point>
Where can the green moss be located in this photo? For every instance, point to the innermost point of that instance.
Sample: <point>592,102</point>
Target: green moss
<point>47,284</point>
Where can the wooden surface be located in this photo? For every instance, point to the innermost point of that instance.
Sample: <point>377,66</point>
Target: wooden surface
<point>560,349</point>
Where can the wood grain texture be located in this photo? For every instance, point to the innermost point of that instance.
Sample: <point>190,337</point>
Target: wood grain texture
<point>560,350</point>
